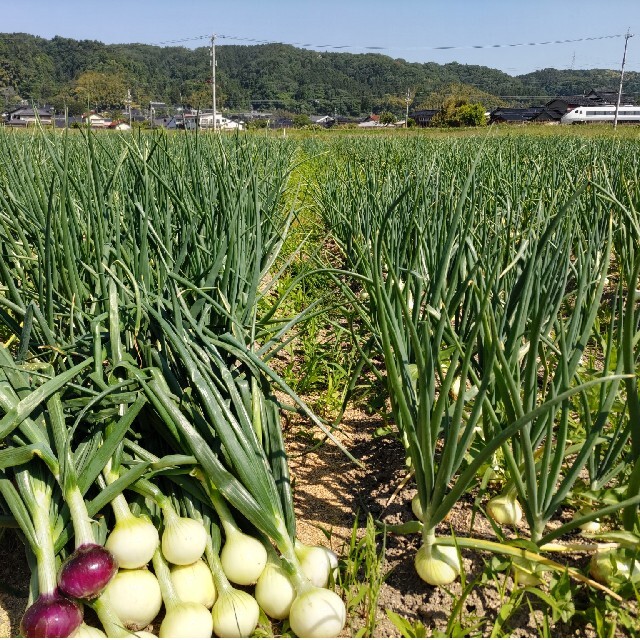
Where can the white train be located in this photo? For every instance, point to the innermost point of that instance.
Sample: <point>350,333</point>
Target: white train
<point>606,113</point>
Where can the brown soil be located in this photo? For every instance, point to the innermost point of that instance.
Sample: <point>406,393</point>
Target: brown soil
<point>329,492</point>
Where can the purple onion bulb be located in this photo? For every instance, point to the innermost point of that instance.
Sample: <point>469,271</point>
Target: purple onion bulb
<point>87,571</point>
<point>52,615</point>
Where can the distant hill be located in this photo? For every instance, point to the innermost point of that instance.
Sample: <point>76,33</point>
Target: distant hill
<point>62,71</point>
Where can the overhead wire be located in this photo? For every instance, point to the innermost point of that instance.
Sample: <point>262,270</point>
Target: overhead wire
<point>388,48</point>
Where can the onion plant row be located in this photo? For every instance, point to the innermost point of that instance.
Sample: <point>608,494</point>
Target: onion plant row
<point>140,426</point>
<point>496,287</point>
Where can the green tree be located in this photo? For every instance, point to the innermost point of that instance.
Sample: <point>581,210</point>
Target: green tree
<point>457,112</point>
<point>301,120</point>
<point>101,90</point>
<point>386,117</point>
<point>469,115</point>
<point>460,94</point>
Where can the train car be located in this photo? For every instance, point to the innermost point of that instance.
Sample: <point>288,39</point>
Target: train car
<point>627,113</point>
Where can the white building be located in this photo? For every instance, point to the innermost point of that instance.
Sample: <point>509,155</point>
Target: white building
<point>95,120</point>
<point>222,123</point>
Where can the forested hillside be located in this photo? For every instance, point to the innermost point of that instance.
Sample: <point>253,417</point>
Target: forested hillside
<point>74,73</point>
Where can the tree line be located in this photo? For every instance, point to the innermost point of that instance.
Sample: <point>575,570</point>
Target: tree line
<point>81,74</point>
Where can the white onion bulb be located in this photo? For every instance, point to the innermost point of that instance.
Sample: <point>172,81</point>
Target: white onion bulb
<point>333,563</point>
<point>132,542</point>
<point>243,558</point>
<point>235,614</point>
<point>588,527</point>
<point>274,592</point>
<point>187,620</point>
<point>607,565</point>
<point>437,565</point>
<point>183,540</point>
<point>86,631</point>
<point>317,613</point>
<point>134,596</point>
<point>526,576</point>
<point>315,563</point>
<point>194,583</point>
<point>145,634</point>
<point>454,390</point>
<point>505,509</point>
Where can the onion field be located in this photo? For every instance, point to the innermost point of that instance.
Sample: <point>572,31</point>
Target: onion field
<point>186,318</point>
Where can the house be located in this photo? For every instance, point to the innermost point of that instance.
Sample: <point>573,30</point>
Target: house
<point>254,115</point>
<point>205,120</point>
<point>137,115</point>
<point>566,103</point>
<point>95,120</point>
<point>606,96</point>
<point>370,121</point>
<point>598,98</point>
<point>167,122</point>
<point>550,116</point>
<point>28,116</point>
<point>281,122</point>
<point>524,115</point>
<point>423,117</point>
<point>323,121</point>
<point>60,122</point>
<point>345,120</point>
<point>221,123</point>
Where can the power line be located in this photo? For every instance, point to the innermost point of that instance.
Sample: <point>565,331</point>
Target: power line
<point>385,48</point>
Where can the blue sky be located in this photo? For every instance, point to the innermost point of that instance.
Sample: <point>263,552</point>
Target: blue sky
<point>409,29</point>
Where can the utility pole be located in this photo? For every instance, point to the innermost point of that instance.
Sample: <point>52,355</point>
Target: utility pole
<point>624,57</point>
<point>213,77</point>
<point>129,104</point>
<point>407,100</point>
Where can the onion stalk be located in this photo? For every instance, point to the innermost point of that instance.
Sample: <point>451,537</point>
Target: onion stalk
<point>87,571</point>
<point>52,614</point>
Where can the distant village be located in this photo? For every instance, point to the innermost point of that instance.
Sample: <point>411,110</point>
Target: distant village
<point>160,115</point>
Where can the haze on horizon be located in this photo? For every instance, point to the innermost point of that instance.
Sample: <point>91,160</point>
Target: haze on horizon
<point>411,30</point>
